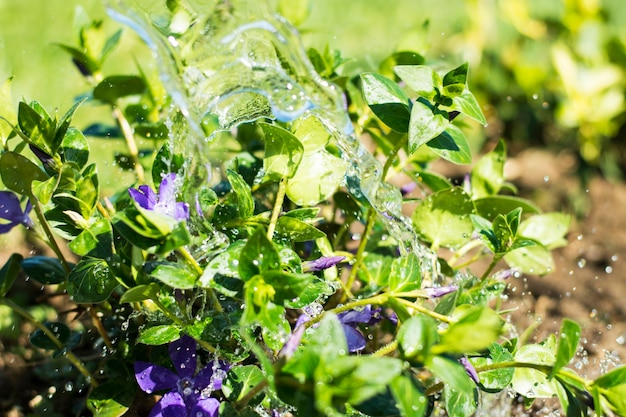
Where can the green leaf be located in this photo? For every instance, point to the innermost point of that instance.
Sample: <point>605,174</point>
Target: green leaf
<point>427,122</point>
<point>159,335</point>
<point>531,260</point>
<point>36,124</point>
<point>91,281</point>
<point>532,383</point>
<point>85,64</point>
<point>319,175</point>
<point>548,229</point>
<point>405,274</point>
<point>60,331</point>
<point>114,87</point>
<point>175,276</point>
<point>451,373</point>
<point>490,207</point>
<point>612,386</point>
<point>387,101</point>
<point>43,191</point>
<point>452,146</point>
<point>283,152</point>
<point>376,270</point>
<point>111,398</point>
<point>475,330</point>
<point>224,265</point>
<point>18,173</point>
<point>62,128</point>
<point>454,81</point>
<point>245,203</point>
<point>416,336</point>
<point>140,293</point>
<point>96,240</point>
<point>297,230</point>
<point>409,396</point>
<point>75,148</point>
<point>496,379</point>
<point>44,269</point>
<point>110,44</point>
<point>488,173</point>
<point>166,161</point>
<point>443,218</point>
<point>567,345</point>
<point>240,380</point>
<point>420,78</point>
<point>9,272</point>
<point>258,256</point>
<point>460,403</point>
<point>466,103</point>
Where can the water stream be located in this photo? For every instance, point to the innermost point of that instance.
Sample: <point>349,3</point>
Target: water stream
<point>238,62</point>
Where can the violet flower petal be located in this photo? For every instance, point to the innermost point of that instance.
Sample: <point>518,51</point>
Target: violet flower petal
<point>469,368</point>
<point>167,191</point>
<point>170,405</point>
<point>356,341</point>
<point>151,377</point>
<point>356,316</point>
<point>144,196</point>
<point>211,376</point>
<point>183,355</point>
<point>440,291</point>
<point>322,263</point>
<point>205,407</point>
<point>293,342</point>
<point>11,210</point>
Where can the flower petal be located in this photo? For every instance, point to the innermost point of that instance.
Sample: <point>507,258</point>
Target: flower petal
<point>211,376</point>
<point>144,196</point>
<point>356,341</point>
<point>151,377</point>
<point>183,354</point>
<point>322,263</point>
<point>167,190</point>
<point>356,316</point>
<point>171,405</point>
<point>181,211</point>
<point>205,407</point>
<point>10,208</point>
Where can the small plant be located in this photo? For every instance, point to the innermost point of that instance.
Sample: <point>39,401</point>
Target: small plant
<point>275,272</point>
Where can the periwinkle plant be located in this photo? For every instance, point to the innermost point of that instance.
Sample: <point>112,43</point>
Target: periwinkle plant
<point>285,312</point>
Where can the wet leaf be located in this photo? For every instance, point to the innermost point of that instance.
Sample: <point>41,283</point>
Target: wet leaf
<point>140,293</point>
<point>466,103</point>
<point>427,122</point>
<point>159,335</point>
<point>475,329</point>
<point>258,256</point>
<point>297,230</point>
<point>569,336</point>
<point>420,78</point>
<point>44,269</point>
<point>18,173</point>
<point>9,272</point>
<point>387,101</point>
<point>91,281</point>
<point>405,273</point>
<point>409,395</point>
<point>60,331</point>
<point>111,399</point>
<point>240,380</point>
<point>548,229</point>
<point>175,276</point>
<point>531,260</point>
<point>283,152</point>
<point>488,172</point>
<point>452,146</point>
<point>117,86</point>
<point>242,191</point>
<point>75,148</point>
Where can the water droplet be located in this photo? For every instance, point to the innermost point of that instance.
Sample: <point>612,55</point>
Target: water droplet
<point>581,263</point>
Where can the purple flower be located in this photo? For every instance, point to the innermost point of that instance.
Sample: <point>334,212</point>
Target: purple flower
<point>351,319</point>
<point>189,393</point>
<point>322,263</point>
<point>440,291</point>
<point>165,202</point>
<point>469,368</point>
<point>11,211</point>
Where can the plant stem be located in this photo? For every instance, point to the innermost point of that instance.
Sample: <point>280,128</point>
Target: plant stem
<point>101,330</point>
<point>392,155</point>
<point>426,311</point>
<point>129,137</point>
<point>192,262</point>
<point>278,205</point>
<point>387,349</point>
<point>369,224</point>
<point>48,232</point>
<point>492,265</point>
<point>70,356</point>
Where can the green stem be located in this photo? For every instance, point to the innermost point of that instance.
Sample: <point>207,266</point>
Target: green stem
<point>278,205</point>
<point>392,155</point>
<point>369,224</point>
<point>167,312</point>
<point>129,137</point>
<point>426,311</point>
<point>70,356</point>
<point>387,349</point>
<point>192,262</point>
<point>48,232</point>
<point>492,265</point>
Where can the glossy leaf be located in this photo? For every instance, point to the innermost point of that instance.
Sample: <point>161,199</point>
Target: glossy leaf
<point>62,129</point>
<point>91,281</point>
<point>569,337</point>
<point>410,397</point>
<point>60,330</point>
<point>115,87</point>
<point>18,173</point>
<point>548,229</point>
<point>452,374</point>
<point>416,337</point>
<point>452,146</point>
<point>531,260</point>
<point>490,207</point>
<point>405,273</point>
<point>159,335</point>
<point>612,386</point>
<point>497,379</point>
<point>240,380</point>
<point>75,148</point>
<point>175,276</point>
<point>9,272</point>
<point>475,329</point>
<point>466,103</point>
<point>111,399</point>
<point>245,203</point>
<point>258,256</point>
<point>296,230</point>
<point>140,293</point>
<point>427,122</point>
<point>421,79</point>
<point>454,81</point>
<point>283,152</point>
<point>488,172</point>
<point>44,269</point>
<point>319,175</point>
<point>443,218</point>
<point>387,101</point>
<point>532,383</point>
<point>96,240</point>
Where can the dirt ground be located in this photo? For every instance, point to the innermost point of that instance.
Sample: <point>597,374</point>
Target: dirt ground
<point>588,285</point>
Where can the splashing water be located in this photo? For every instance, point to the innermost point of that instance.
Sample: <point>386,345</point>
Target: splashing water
<point>236,62</point>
